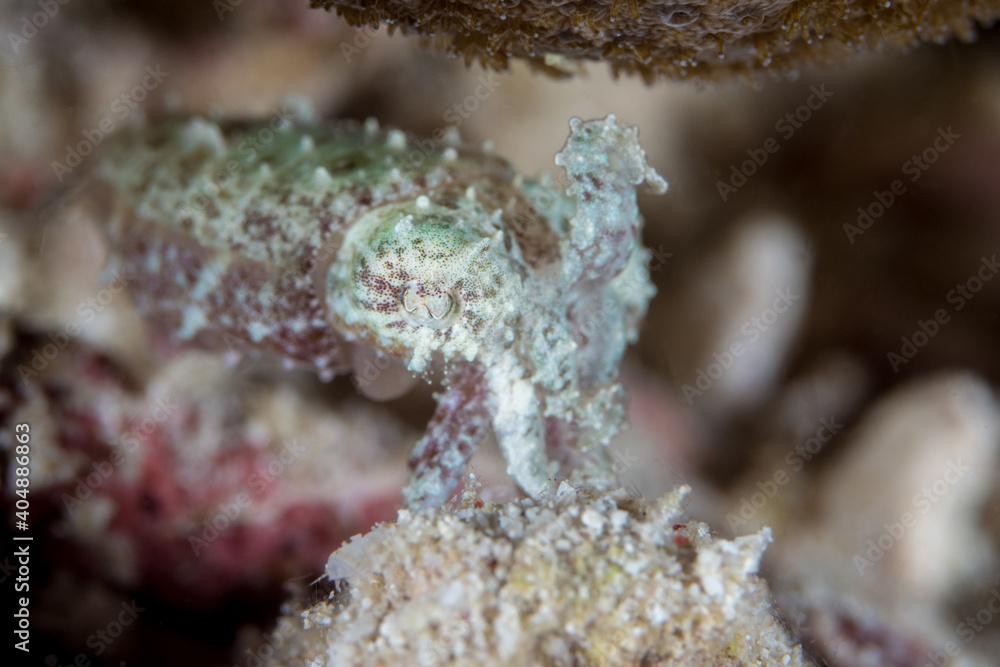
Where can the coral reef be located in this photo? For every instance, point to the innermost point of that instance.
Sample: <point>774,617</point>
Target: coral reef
<point>169,488</point>
<point>856,419</point>
<point>676,39</point>
<point>843,632</point>
<point>876,545</point>
<point>917,466</point>
<point>351,245</point>
<point>586,577</point>
<point>736,312</point>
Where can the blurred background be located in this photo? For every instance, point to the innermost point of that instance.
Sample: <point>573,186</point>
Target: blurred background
<point>821,357</point>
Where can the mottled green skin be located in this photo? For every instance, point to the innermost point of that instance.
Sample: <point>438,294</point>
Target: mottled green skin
<point>315,242</point>
<point>425,279</point>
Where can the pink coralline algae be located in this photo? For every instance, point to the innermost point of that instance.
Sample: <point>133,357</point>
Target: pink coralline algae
<point>163,486</point>
<point>347,246</point>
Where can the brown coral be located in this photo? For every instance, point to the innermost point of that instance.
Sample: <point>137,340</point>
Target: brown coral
<point>654,38</point>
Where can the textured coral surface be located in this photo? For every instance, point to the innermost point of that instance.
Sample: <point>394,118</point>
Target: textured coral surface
<point>675,39</point>
<point>586,578</point>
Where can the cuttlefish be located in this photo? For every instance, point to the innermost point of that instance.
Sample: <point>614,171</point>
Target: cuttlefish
<point>348,247</point>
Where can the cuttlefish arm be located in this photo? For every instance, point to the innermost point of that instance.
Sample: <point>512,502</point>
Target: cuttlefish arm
<point>475,401</point>
<point>519,426</point>
<point>604,164</point>
<point>460,422</point>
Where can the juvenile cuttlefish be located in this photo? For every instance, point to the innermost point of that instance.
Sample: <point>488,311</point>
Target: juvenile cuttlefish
<point>347,246</point>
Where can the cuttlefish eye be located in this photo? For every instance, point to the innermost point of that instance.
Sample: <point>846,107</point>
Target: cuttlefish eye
<point>410,270</point>
<point>417,280</point>
<point>405,269</point>
<point>427,306</point>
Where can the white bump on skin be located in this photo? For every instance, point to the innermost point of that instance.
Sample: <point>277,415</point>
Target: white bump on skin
<point>200,133</point>
<point>396,140</point>
<point>258,331</point>
<point>322,177</point>
<point>193,321</point>
<point>404,225</point>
